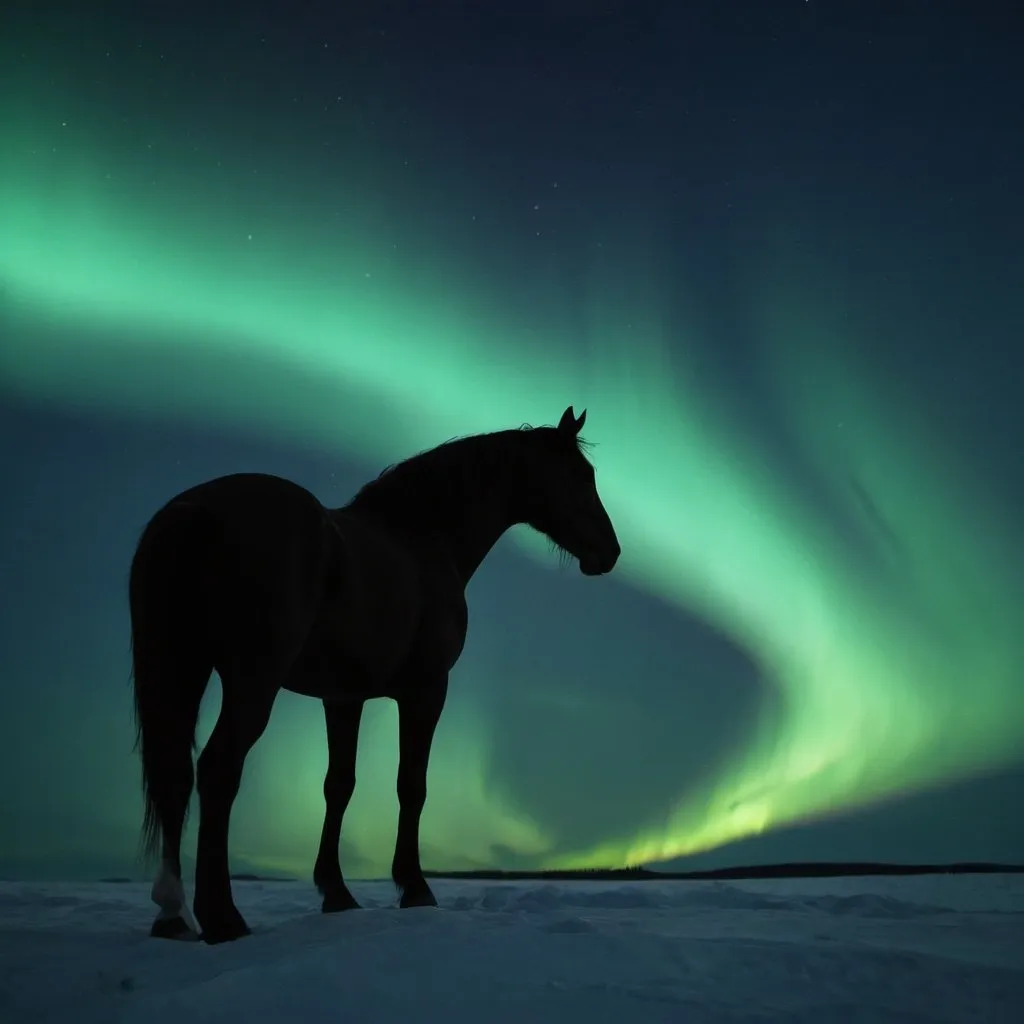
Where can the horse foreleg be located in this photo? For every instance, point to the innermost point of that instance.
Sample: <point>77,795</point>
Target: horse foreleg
<point>342,720</point>
<point>418,714</point>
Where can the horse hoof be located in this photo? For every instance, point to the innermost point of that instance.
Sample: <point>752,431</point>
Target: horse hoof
<point>173,928</point>
<point>215,936</point>
<point>419,898</point>
<point>335,902</point>
<point>228,929</point>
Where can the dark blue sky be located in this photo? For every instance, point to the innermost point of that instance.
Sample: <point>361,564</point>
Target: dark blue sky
<point>807,214</point>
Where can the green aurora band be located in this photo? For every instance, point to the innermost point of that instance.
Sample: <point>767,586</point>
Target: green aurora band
<point>153,300</point>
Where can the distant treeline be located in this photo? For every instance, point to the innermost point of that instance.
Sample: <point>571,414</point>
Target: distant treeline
<point>808,870</point>
<point>798,870</point>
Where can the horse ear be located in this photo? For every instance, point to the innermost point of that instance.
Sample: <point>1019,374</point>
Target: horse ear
<point>570,423</point>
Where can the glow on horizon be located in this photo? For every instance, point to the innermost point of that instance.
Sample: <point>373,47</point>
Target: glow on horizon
<point>886,685</point>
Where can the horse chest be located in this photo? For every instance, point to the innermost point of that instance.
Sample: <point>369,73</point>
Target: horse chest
<point>443,626</point>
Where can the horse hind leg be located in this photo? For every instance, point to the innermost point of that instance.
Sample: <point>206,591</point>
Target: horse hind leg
<point>169,696</point>
<point>174,920</point>
<point>243,718</point>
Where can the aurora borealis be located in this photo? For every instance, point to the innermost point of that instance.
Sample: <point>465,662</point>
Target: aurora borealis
<point>266,239</point>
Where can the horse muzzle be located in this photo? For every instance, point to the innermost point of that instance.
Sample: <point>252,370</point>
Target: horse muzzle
<point>598,564</point>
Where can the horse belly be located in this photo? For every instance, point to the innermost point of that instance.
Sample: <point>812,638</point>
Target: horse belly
<point>362,639</point>
<point>338,680</point>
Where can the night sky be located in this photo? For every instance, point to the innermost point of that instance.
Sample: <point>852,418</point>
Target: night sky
<point>774,247</point>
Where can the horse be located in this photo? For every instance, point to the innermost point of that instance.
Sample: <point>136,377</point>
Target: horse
<point>249,575</point>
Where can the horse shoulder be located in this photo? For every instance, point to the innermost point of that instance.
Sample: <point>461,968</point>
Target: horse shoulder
<point>445,617</point>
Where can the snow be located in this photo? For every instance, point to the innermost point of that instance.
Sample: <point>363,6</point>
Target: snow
<point>932,948</point>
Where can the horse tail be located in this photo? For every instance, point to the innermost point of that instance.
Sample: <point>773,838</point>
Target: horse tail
<point>171,663</point>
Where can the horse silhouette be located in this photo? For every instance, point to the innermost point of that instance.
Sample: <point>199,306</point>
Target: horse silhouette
<point>251,576</point>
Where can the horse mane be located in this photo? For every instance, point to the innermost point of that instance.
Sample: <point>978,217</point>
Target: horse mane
<point>427,488</point>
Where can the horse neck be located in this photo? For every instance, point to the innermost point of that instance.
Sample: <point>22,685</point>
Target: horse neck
<point>471,537</point>
<point>465,531</point>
